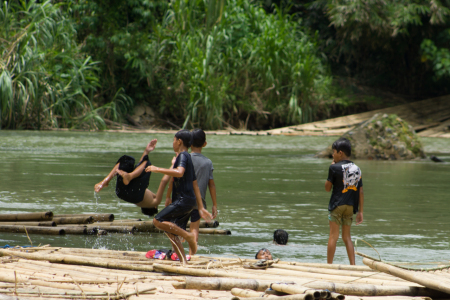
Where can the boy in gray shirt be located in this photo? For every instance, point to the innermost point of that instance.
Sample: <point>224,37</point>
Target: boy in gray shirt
<point>204,172</point>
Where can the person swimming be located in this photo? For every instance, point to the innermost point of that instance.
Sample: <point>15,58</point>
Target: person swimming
<point>263,254</point>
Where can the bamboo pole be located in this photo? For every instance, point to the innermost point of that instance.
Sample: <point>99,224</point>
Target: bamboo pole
<point>30,223</point>
<point>213,231</point>
<point>207,283</point>
<point>73,220</point>
<point>246,293</point>
<point>334,278</point>
<point>96,217</point>
<point>206,224</point>
<point>222,284</point>
<point>372,275</point>
<point>429,280</point>
<point>113,229</point>
<point>298,289</point>
<point>39,216</point>
<point>74,229</point>
<point>290,297</point>
<point>76,260</point>
<point>31,229</point>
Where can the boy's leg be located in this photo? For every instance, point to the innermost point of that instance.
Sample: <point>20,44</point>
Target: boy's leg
<point>127,177</point>
<point>174,229</point>
<point>332,240</point>
<point>104,183</point>
<point>346,237</point>
<point>194,227</point>
<point>177,246</point>
<point>150,199</point>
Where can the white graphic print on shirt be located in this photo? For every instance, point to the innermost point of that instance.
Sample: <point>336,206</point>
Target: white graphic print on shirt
<point>352,175</point>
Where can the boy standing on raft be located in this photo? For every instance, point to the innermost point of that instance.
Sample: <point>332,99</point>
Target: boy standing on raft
<point>347,198</point>
<point>204,172</point>
<point>185,195</point>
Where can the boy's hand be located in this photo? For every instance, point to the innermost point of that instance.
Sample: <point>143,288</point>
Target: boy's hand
<point>99,186</point>
<point>205,215</point>
<point>168,201</point>
<point>214,212</point>
<point>359,218</point>
<point>151,146</point>
<point>151,169</point>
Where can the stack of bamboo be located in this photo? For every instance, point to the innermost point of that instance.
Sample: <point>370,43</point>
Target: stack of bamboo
<point>99,224</point>
<point>51,272</point>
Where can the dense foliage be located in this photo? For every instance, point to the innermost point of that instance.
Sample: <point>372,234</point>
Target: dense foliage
<point>213,63</point>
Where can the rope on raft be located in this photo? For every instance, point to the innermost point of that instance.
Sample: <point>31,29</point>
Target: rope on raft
<point>446,267</point>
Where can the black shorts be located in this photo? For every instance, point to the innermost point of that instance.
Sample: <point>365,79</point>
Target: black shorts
<point>133,192</point>
<point>177,212</point>
<point>195,216</point>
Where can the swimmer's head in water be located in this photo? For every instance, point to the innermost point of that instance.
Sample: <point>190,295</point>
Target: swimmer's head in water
<point>183,136</point>
<point>263,254</point>
<point>280,237</point>
<point>198,138</point>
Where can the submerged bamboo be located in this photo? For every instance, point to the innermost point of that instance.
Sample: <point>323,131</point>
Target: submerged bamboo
<point>31,229</point>
<point>96,217</point>
<point>73,220</point>
<point>31,223</point>
<point>429,280</point>
<point>39,216</point>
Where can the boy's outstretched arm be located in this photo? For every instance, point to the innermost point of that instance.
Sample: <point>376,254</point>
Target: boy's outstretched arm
<point>150,147</point>
<point>104,183</point>
<point>212,191</point>
<point>201,210</point>
<point>359,215</point>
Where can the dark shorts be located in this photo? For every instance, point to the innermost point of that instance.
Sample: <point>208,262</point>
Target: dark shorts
<point>134,192</point>
<point>177,213</point>
<point>195,216</point>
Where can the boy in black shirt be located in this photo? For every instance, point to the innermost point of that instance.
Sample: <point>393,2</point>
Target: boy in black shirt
<point>185,194</point>
<point>347,198</point>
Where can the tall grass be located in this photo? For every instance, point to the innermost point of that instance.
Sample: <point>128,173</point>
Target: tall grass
<point>45,81</point>
<point>232,64</point>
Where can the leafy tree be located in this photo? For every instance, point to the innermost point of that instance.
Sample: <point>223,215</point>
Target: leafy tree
<point>45,81</point>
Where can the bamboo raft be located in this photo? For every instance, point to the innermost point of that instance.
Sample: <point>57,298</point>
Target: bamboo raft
<point>76,273</point>
<point>85,224</point>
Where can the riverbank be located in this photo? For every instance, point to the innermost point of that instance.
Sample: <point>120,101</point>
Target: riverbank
<point>429,118</point>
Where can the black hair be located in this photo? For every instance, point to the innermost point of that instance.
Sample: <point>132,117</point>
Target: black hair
<point>185,136</point>
<point>280,237</point>
<point>262,249</point>
<point>198,137</point>
<point>343,145</point>
<point>126,163</point>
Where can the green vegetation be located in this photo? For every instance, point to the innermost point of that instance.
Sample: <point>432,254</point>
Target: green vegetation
<point>215,63</point>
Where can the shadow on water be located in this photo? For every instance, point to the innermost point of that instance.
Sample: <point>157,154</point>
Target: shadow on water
<point>263,184</point>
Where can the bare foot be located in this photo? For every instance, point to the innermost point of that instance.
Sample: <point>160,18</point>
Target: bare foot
<point>99,186</point>
<point>125,176</point>
<point>192,244</point>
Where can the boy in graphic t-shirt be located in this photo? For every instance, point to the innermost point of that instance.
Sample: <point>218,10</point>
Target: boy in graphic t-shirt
<point>347,198</point>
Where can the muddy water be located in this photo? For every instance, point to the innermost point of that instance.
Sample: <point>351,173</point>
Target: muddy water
<point>263,184</point>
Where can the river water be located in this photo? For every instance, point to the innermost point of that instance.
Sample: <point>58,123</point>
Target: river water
<point>263,183</point>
